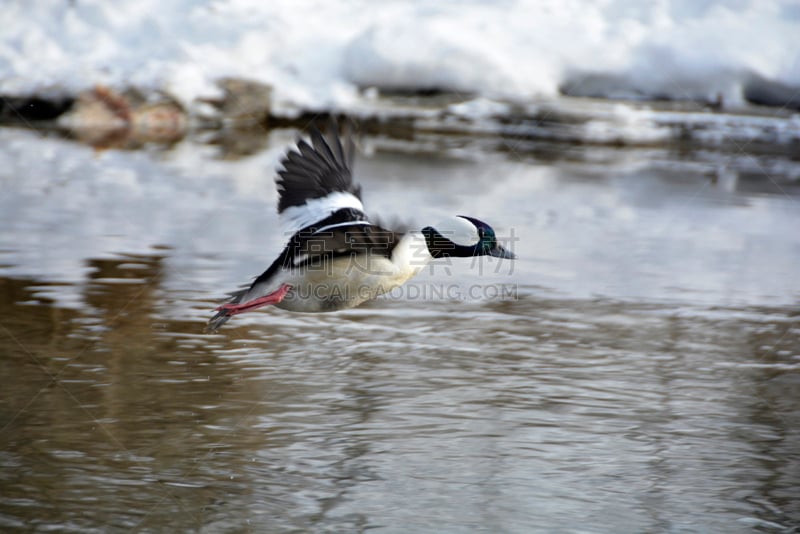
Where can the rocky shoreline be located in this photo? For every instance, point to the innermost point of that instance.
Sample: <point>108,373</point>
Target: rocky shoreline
<point>108,118</point>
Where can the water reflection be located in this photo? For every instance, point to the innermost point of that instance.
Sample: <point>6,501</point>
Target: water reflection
<point>632,416</point>
<point>109,423</point>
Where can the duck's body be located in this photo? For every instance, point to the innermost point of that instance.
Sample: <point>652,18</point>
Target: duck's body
<point>336,258</point>
<point>341,268</point>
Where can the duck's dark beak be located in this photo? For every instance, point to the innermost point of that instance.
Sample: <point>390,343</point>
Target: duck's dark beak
<point>500,252</point>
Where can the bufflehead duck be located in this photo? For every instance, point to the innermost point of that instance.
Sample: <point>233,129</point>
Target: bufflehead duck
<point>336,258</point>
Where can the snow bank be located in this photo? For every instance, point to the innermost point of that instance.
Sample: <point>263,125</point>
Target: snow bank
<point>321,54</point>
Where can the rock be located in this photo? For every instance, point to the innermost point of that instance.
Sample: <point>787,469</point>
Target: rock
<point>32,109</point>
<point>243,101</point>
<point>105,118</point>
<point>764,92</point>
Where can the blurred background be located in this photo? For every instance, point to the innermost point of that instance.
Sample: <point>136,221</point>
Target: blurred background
<point>637,369</point>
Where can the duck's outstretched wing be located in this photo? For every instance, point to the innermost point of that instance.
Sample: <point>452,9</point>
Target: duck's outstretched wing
<point>316,180</point>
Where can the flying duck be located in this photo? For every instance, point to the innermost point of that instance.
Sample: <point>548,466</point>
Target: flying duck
<point>336,258</point>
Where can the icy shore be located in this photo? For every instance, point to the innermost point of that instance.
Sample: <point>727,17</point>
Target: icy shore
<point>669,72</point>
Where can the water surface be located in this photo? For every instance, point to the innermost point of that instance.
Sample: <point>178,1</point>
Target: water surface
<point>637,369</point>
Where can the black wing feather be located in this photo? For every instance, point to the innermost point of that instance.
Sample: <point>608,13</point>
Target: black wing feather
<point>321,147</point>
<point>318,169</point>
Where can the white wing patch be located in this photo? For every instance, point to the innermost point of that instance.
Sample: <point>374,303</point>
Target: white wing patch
<point>295,218</point>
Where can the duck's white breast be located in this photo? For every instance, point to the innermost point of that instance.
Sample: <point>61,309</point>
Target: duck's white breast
<point>349,281</point>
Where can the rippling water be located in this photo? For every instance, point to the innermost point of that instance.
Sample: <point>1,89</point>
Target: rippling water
<point>637,370</point>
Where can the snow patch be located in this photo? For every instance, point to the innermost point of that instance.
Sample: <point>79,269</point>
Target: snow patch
<point>322,54</point>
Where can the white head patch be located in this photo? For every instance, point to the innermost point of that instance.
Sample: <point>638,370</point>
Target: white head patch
<point>458,230</point>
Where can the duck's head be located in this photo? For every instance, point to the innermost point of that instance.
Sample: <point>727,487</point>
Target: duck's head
<point>463,237</point>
